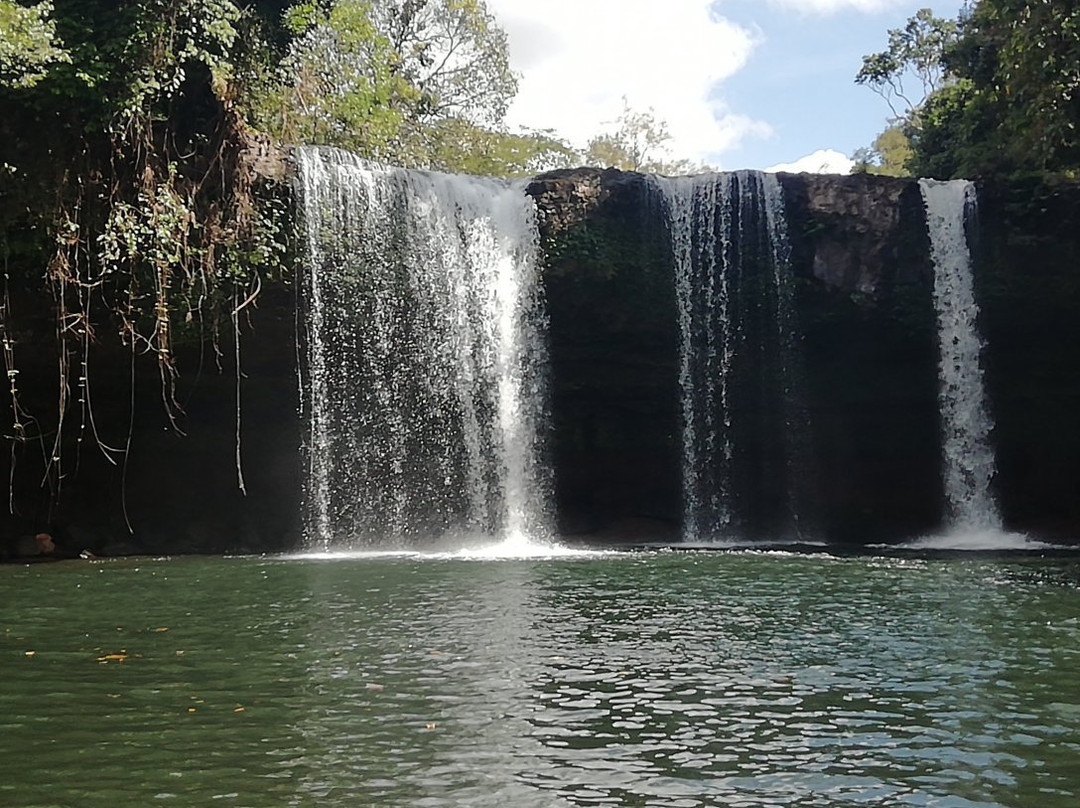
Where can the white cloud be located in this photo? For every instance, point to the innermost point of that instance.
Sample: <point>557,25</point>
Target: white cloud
<point>823,161</point>
<point>833,6</point>
<point>578,58</point>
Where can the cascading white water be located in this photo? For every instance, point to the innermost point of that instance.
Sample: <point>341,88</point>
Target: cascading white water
<point>705,352</point>
<point>424,356</point>
<point>967,452</point>
<point>736,321</point>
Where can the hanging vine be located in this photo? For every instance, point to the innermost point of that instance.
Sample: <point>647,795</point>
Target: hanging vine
<point>158,235</point>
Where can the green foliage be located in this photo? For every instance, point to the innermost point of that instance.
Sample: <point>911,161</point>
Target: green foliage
<point>889,154</point>
<point>391,80</point>
<point>454,54</point>
<point>1008,100</point>
<point>179,34</point>
<point>126,202</point>
<point>912,66</point>
<point>637,144</point>
<point>461,146</point>
<point>338,85</point>
<point>1020,110</point>
<point>124,61</point>
<point>953,139</point>
<point>28,45</point>
<point>912,69</point>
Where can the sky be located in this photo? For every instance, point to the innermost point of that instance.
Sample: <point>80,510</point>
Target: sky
<point>760,84</point>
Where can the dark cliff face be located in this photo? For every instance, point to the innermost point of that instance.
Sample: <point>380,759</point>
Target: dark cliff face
<point>1027,260</point>
<point>131,480</point>
<point>614,352</point>
<point>867,240</point>
<point>860,251</point>
<point>868,339</point>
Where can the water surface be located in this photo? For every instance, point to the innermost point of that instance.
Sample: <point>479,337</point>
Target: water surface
<point>638,679</point>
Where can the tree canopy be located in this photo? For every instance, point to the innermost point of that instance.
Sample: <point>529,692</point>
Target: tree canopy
<point>639,142</point>
<point>889,154</point>
<point>389,79</point>
<point>912,67</point>
<point>128,199</point>
<point>909,71</point>
<point>27,43</point>
<point>1002,88</point>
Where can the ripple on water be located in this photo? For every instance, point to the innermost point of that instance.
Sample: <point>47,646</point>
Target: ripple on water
<point>672,679</point>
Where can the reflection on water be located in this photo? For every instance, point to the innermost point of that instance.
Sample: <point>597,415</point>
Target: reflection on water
<point>659,678</point>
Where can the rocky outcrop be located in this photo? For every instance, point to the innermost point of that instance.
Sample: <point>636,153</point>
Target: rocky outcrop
<point>613,346</point>
<point>571,197</point>
<point>859,234</point>
<point>855,224</point>
<point>265,158</point>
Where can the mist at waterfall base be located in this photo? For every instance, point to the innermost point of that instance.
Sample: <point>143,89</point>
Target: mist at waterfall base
<point>425,376</point>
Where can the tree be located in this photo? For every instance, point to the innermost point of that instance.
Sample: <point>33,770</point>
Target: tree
<point>383,78</point>
<point>28,43</point>
<point>889,154</point>
<point>1000,88</point>
<point>461,146</point>
<point>340,86</point>
<point>916,55</point>
<point>910,70</point>
<point>1019,109</point>
<point>453,53</point>
<point>636,144</point>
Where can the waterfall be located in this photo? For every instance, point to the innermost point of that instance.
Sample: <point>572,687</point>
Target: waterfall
<point>423,363</point>
<point>742,435</point>
<point>965,422</point>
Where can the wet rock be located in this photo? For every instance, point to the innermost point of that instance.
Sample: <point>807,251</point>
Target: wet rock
<point>39,545</point>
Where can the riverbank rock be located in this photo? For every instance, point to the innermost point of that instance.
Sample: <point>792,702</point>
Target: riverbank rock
<point>27,547</point>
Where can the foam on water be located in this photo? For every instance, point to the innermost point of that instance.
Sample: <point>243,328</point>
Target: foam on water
<point>985,540</point>
<point>506,550</point>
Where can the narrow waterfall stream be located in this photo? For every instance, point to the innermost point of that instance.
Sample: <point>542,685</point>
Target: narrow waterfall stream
<point>967,453</point>
<point>743,448</point>
<point>424,360</point>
